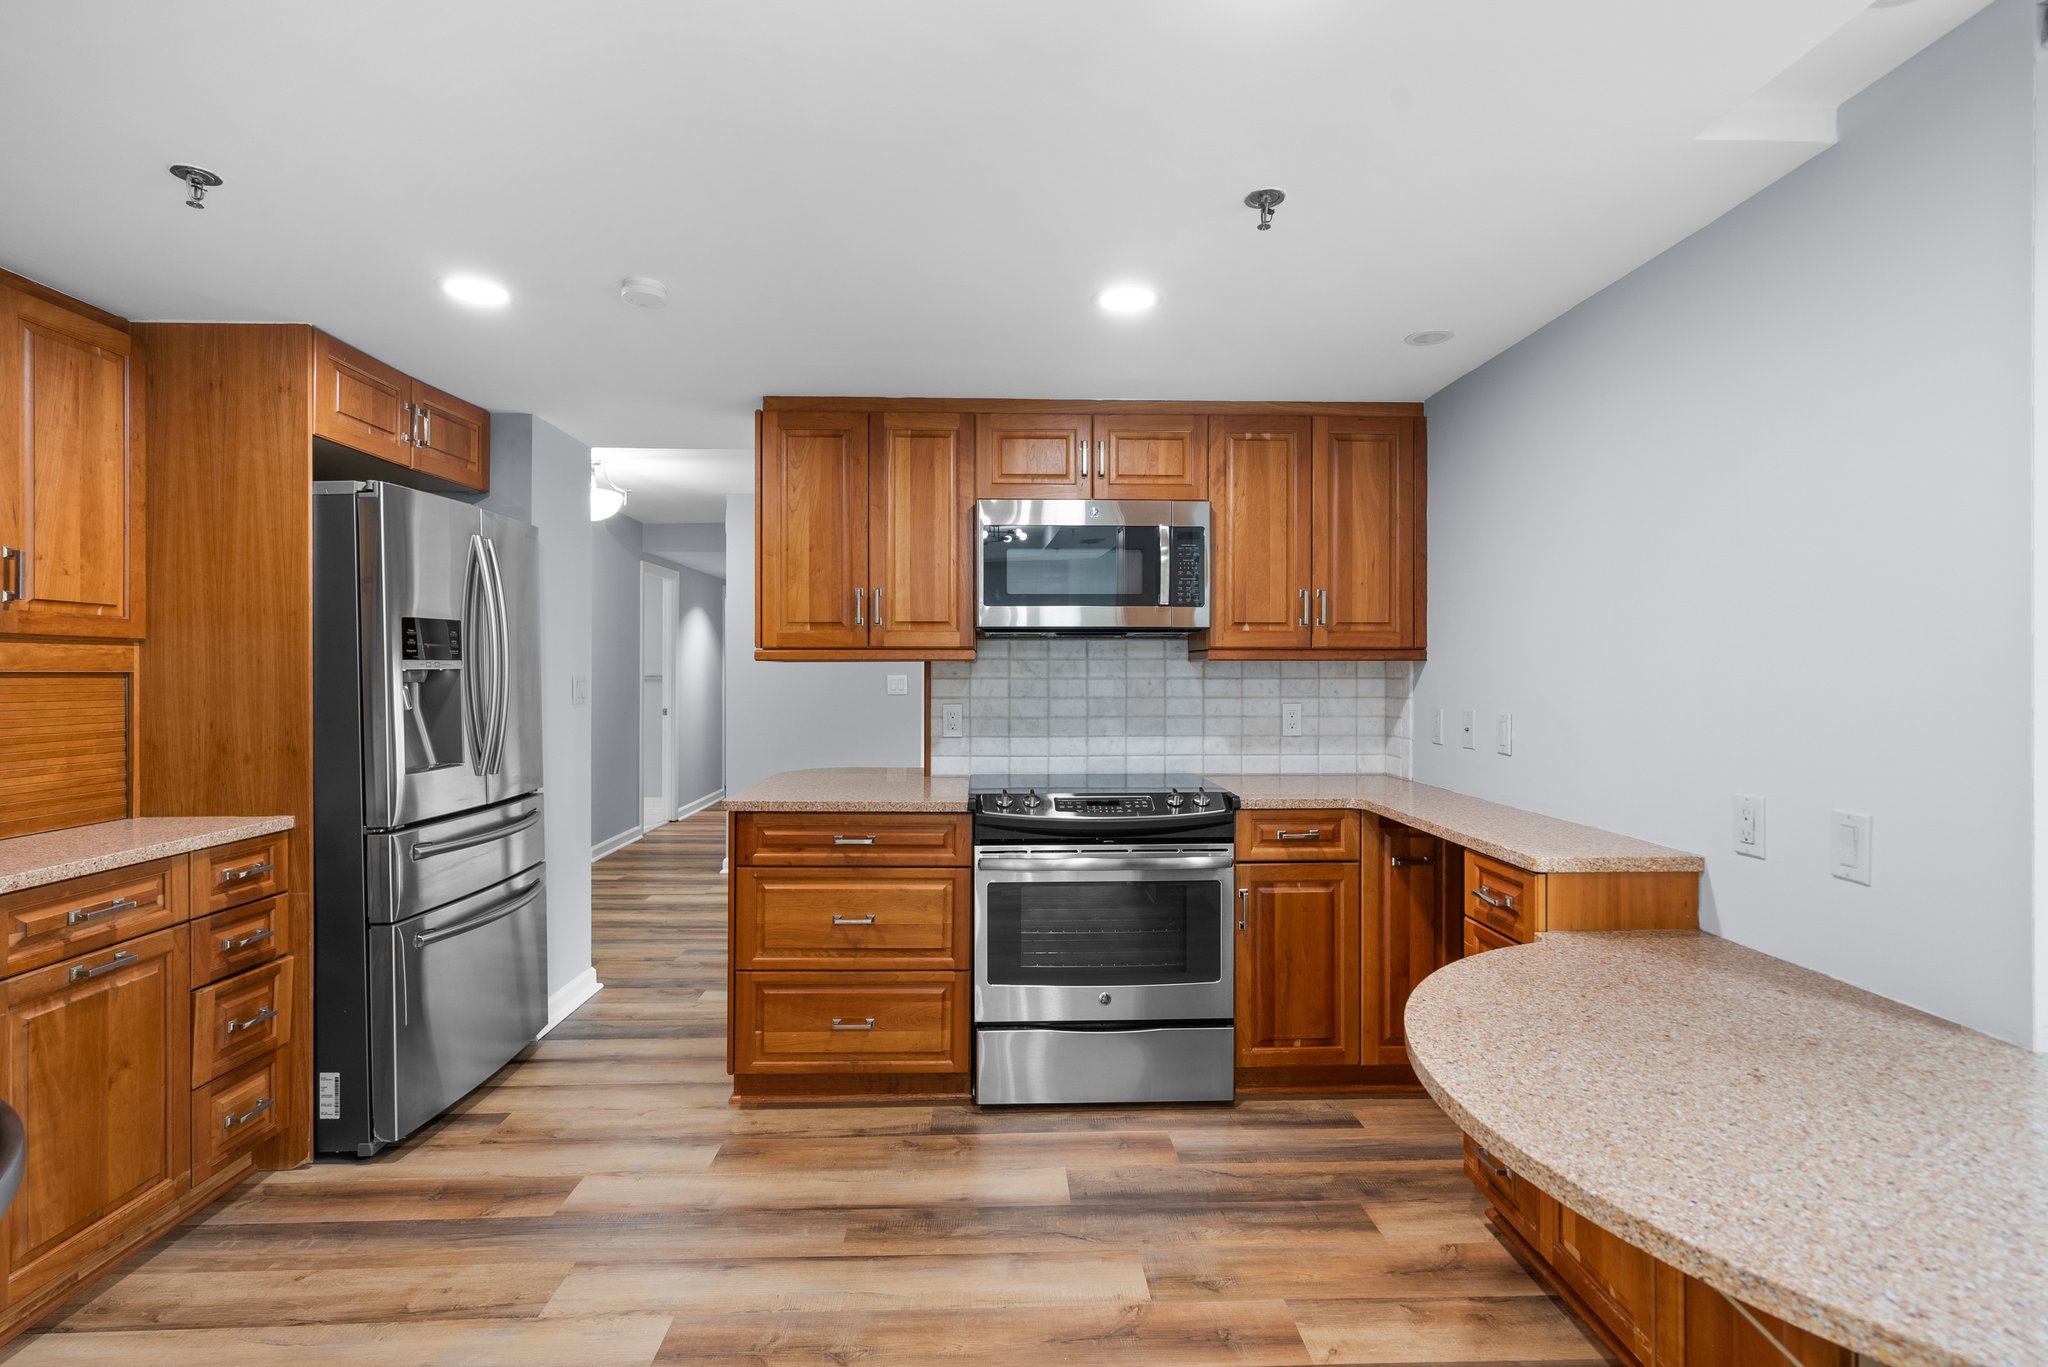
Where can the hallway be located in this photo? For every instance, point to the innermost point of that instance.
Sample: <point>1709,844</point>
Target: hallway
<point>600,1204</point>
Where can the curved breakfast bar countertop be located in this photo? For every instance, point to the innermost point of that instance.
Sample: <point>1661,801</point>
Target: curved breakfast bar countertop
<point>1857,1168</point>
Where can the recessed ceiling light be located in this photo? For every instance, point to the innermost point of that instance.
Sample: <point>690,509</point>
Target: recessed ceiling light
<point>474,289</point>
<point>1433,337</point>
<point>1128,298</point>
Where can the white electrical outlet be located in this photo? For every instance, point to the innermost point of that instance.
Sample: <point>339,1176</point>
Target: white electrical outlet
<point>1504,733</point>
<point>952,720</point>
<point>899,684</point>
<point>1436,726</point>
<point>1849,846</point>
<point>1468,723</point>
<point>1290,719</point>
<point>1749,825</point>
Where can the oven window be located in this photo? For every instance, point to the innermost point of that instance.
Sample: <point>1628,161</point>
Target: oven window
<point>1083,567</point>
<point>1104,934</point>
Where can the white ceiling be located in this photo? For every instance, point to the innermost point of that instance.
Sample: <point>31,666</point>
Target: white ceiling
<point>903,196</point>
<point>677,485</point>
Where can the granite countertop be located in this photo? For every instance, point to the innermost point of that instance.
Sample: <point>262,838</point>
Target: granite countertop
<point>29,861</point>
<point>1862,1170</point>
<point>852,790</point>
<point>1540,844</point>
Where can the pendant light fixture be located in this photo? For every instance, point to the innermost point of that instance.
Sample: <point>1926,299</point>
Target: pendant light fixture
<point>606,498</point>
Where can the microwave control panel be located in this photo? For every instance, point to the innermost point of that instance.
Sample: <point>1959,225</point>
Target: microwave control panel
<point>1190,568</point>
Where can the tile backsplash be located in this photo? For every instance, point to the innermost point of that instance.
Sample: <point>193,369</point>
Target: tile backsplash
<point>1039,707</point>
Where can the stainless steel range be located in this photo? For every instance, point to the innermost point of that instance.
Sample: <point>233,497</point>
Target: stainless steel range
<point>1102,946</point>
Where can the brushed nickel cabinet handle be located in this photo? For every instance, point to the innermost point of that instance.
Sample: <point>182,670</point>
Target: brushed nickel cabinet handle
<point>426,426</point>
<point>866,1024</point>
<point>866,920</point>
<point>232,945</point>
<point>878,605</point>
<point>1304,609</point>
<point>10,574</point>
<point>122,958</point>
<point>246,872</point>
<point>1409,861</point>
<point>1322,607</point>
<point>410,436</point>
<point>230,1120</point>
<point>1244,899</point>
<point>267,1013</point>
<point>860,607</point>
<point>80,915</point>
<point>1504,902</point>
<point>853,840</point>
<point>1312,833</point>
<point>1084,460</point>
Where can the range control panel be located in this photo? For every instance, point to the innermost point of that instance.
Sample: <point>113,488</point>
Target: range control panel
<point>1120,804</point>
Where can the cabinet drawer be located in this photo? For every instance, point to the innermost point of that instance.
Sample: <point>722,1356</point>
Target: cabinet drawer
<point>1266,836</point>
<point>833,839</point>
<point>851,1022</point>
<point>869,918</point>
<point>238,938</point>
<point>1508,899</point>
<point>233,1114</point>
<point>1480,938</point>
<point>242,872</point>
<point>240,1019</point>
<point>80,915</point>
<point>1519,1202</point>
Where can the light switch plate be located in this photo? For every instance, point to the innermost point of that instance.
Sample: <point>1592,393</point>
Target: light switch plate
<point>898,684</point>
<point>579,690</point>
<point>1749,825</point>
<point>952,720</point>
<point>1436,726</point>
<point>1504,733</point>
<point>1849,846</point>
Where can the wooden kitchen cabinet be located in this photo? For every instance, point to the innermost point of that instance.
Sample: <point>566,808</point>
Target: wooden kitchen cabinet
<point>363,404</point>
<point>1366,497</point>
<point>454,438</point>
<point>1106,455</point>
<point>852,513</point>
<point>1260,582</point>
<point>71,472</point>
<point>1150,455</point>
<point>1033,455</point>
<point>1298,965</point>
<point>1614,1277</point>
<point>1410,925</point>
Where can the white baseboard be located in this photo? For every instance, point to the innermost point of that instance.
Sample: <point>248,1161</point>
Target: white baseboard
<point>571,995</point>
<point>617,842</point>
<point>692,808</point>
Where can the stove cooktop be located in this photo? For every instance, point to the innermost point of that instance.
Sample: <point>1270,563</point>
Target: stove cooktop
<point>1076,799</point>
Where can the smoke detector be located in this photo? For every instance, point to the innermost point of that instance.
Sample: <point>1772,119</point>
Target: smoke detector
<point>643,292</point>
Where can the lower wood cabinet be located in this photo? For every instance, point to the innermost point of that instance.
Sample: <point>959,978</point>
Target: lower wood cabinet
<point>1409,932</point>
<point>233,1114</point>
<point>853,1023</point>
<point>1614,1277</point>
<point>1298,960</point>
<point>874,918</point>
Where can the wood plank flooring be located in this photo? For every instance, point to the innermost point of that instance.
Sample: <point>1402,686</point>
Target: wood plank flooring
<point>600,1204</point>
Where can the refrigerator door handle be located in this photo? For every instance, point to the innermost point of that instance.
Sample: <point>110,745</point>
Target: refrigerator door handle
<point>501,673</point>
<point>422,939</point>
<point>475,578</point>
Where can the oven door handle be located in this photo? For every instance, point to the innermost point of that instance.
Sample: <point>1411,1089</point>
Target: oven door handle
<point>1094,863</point>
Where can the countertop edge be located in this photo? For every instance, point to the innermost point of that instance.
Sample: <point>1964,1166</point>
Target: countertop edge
<point>841,805</point>
<point>1832,1323</point>
<point>232,830</point>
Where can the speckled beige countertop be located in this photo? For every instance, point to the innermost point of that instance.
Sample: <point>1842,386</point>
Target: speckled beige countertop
<point>29,861</point>
<point>1867,1172</point>
<point>852,790</point>
<point>1541,844</point>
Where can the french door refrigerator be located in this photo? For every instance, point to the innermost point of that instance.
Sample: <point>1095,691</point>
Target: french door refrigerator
<point>429,897</point>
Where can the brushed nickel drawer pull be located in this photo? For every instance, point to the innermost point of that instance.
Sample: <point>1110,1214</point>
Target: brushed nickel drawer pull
<point>860,607</point>
<point>122,958</point>
<point>1504,902</point>
<point>80,915</point>
<point>267,1013</point>
<point>230,1120</point>
<point>232,945</point>
<point>10,575</point>
<point>866,920</point>
<point>246,872</point>
<point>1304,609</point>
<point>839,1024</point>
<point>853,840</point>
<point>1244,901</point>
<point>410,437</point>
<point>1312,833</point>
<point>426,426</point>
<point>1322,607</point>
<point>1409,861</point>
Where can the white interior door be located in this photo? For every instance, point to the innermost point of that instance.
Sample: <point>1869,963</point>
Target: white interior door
<point>659,590</point>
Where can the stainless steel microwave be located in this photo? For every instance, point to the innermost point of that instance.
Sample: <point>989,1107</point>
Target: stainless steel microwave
<point>1109,566</point>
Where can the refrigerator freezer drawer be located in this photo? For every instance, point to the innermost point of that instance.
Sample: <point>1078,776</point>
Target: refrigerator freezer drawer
<point>1077,1067</point>
<point>456,992</point>
<point>422,867</point>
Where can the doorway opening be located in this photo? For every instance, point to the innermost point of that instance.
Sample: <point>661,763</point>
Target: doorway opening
<point>659,589</point>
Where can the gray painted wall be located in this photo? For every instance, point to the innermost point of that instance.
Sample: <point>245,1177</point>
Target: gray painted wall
<point>700,686</point>
<point>1755,519</point>
<point>805,716</point>
<point>615,677</point>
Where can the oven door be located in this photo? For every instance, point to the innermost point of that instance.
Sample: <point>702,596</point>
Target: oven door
<point>1092,565</point>
<point>1067,934</point>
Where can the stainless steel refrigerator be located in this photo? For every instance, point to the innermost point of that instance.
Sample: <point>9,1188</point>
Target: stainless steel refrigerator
<point>429,899</point>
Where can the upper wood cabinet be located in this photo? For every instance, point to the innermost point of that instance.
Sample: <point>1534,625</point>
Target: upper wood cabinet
<point>367,406</point>
<point>863,535</point>
<point>1319,538</point>
<point>1108,455</point>
<point>1297,965</point>
<point>71,473</point>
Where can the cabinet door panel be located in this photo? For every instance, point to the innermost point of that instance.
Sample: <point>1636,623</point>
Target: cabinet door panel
<point>1259,511</point>
<point>1297,965</point>
<point>1150,455</point>
<point>71,486</point>
<point>97,1068</point>
<point>1032,455</point>
<point>1715,1336</point>
<point>454,441</point>
<point>813,551</point>
<point>361,402</point>
<point>921,502</point>
<point>1367,533</point>
<point>1617,1279</point>
<point>1406,936</point>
